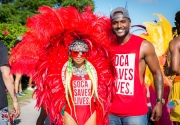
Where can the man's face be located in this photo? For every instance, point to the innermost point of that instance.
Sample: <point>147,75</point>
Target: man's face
<point>120,26</point>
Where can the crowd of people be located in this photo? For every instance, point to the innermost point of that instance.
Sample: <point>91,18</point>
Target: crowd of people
<point>88,72</point>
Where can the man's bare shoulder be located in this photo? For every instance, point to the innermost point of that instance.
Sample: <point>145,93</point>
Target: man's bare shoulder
<point>175,42</point>
<point>146,44</point>
<point>147,48</point>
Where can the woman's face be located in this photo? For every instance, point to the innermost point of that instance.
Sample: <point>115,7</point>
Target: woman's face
<point>78,57</point>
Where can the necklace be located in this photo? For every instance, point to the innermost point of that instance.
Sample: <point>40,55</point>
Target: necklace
<point>79,73</point>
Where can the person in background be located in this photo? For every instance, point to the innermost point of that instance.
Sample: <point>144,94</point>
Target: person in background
<point>18,85</point>
<point>174,69</point>
<point>149,106</point>
<point>30,84</point>
<point>6,80</point>
<point>18,76</point>
<point>131,59</point>
<point>42,117</point>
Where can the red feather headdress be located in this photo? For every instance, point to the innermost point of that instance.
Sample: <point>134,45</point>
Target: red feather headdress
<point>44,50</point>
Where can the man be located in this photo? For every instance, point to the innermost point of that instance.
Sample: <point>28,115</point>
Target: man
<point>132,55</point>
<point>174,69</point>
<point>6,79</point>
<point>174,47</point>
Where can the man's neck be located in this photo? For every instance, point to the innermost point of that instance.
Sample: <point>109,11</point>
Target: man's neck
<point>123,40</point>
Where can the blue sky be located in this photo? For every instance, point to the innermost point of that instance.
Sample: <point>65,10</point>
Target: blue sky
<point>141,10</point>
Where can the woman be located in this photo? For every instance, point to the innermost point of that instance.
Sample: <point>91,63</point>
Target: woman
<point>80,89</point>
<point>69,63</point>
<point>80,107</point>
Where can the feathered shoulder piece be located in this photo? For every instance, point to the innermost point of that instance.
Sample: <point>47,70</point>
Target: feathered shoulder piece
<point>44,51</point>
<point>159,34</point>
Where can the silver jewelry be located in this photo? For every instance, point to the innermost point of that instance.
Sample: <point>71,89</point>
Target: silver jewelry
<point>78,45</point>
<point>80,73</point>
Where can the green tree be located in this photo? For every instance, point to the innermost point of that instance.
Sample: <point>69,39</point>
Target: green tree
<point>14,13</point>
<point>10,32</point>
<point>79,4</point>
<point>19,10</point>
<point>6,1</point>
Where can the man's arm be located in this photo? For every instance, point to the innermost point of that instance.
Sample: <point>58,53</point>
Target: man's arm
<point>151,60</point>
<point>8,80</point>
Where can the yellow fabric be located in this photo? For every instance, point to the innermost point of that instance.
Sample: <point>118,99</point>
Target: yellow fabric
<point>175,114</point>
<point>159,34</point>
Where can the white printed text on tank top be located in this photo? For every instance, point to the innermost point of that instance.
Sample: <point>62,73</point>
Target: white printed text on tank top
<point>125,66</point>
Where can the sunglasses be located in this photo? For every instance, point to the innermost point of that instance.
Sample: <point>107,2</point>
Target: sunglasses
<point>75,54</point>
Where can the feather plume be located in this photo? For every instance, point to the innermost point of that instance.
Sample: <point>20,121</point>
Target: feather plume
<point>44,51</point>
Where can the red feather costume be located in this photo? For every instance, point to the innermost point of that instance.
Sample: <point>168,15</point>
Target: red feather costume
<point>44,50</point>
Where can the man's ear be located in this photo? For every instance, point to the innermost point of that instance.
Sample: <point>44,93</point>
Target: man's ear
<point>129,24</point>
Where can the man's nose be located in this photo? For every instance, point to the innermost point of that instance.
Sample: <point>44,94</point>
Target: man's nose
<point>119,25</point>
